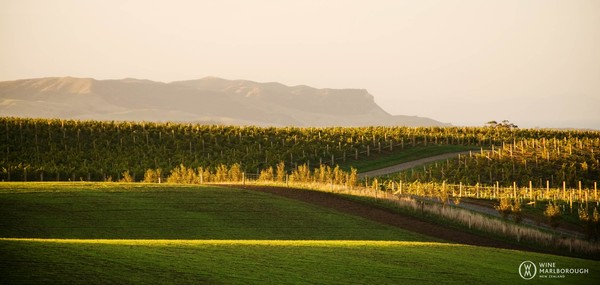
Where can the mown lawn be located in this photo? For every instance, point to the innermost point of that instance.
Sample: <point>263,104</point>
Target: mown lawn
<point>155,234</point>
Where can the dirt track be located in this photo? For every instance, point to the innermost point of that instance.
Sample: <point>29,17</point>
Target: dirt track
<point>383,216</point>
<point>409,165</point>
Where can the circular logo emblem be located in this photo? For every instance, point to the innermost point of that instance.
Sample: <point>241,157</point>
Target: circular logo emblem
<point>527,270</point>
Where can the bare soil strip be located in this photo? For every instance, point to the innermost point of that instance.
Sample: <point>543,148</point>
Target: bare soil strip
<point>409,165</point>
<point>383,216</point>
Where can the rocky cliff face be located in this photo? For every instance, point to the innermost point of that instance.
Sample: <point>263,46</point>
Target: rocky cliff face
<point>207,100</point>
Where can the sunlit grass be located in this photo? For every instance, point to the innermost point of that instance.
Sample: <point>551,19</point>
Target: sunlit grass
<point>127,261</point>
<point>282,243</point>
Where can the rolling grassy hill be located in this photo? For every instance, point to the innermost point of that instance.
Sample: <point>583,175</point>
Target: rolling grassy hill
<point>138,233</point>
<point>150,211</point>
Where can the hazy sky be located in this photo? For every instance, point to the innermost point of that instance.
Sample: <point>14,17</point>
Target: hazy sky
<point>535,63</point>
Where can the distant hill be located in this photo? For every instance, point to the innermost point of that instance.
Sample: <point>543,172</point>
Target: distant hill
<point>208,100</point>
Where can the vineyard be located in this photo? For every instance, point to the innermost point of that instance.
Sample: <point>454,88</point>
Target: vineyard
<point>62,150</point>
<point>566,170</point>
<point>544,162</point>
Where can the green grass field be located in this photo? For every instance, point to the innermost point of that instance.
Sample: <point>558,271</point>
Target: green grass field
<point>61,233</point>
<point>149,211</point>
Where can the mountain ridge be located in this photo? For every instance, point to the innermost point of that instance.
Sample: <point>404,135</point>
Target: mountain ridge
<point>209,99</point>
